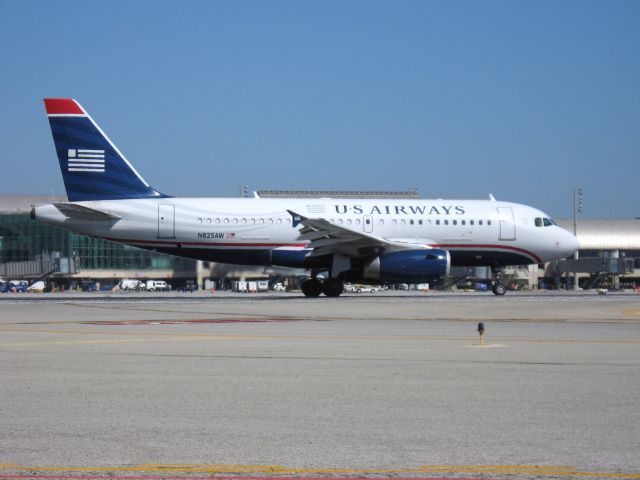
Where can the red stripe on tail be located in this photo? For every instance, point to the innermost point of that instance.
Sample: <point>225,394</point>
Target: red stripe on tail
<point>62,106</point>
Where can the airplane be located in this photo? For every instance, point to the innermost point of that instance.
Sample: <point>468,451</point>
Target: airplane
<point>375,241</point>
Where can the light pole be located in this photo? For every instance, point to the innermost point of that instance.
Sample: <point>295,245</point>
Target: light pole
<point>577,208</point>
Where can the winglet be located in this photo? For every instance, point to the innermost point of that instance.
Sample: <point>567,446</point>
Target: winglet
<point>491,197</point>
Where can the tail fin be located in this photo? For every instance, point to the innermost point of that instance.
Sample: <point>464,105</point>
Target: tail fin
<point>92,167</point>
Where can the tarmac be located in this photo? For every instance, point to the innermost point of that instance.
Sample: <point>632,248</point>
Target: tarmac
<point>391,384</point>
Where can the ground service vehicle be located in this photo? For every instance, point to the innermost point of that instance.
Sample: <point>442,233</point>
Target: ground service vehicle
<point>128,284</point>
<point>157,285</point>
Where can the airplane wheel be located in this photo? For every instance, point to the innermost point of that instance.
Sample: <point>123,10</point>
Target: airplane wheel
<point>499,289</point>
<point>332,287</point>
<point>311,287</point>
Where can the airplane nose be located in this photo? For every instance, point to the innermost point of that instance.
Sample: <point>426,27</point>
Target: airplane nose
<point>571,243</point>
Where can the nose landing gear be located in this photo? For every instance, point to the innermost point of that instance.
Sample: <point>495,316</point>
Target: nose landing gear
<point>499,289</point>
<point>496,286</point>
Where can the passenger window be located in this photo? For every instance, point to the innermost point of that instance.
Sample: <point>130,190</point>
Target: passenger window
<point>279,221</point>
<point>381,221</point>
<point>488,222</point>
<point>208,220</point>
<point>217,220</point>
<point>437,222</point>
<point>244,220</point>
<point>199,220</point>
<point>395,222</point>
<point>235,220</point>
<point>226,220</point>
<point>463,222</point>
<point>403,221</point>
<point>446,222</point>
<point>253,220</point>
<point>479,222</point>
<point>271,221</point>
<point>348,221</point>
<point>410,222</point>
<point>262,220</point>
<point>419,222</point>
<point>470,222</point>
<point>455,222</point>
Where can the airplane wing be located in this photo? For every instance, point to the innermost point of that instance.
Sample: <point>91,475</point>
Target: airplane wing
<point>327,238</point>
<point>79,212</point>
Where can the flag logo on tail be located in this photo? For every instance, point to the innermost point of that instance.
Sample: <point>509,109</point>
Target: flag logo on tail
<point>85,160</point>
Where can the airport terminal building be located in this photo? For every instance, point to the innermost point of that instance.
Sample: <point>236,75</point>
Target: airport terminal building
<point>609,255</point>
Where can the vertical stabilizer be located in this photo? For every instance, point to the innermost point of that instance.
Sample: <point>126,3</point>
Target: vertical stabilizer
<point>92,166</point>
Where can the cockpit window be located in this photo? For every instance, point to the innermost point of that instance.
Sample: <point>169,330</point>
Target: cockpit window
<point>543,222</point>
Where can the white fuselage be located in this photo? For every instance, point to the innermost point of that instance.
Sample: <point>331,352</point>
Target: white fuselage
<point>250,230</point>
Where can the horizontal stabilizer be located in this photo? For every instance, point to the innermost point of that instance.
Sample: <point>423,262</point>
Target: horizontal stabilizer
<point>78,212</point>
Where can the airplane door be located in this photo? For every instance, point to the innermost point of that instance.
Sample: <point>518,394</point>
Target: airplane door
<point>507,224</point>
<point>367,223</point>
<point>166,221</point>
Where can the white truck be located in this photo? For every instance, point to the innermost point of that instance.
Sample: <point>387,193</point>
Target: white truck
<point>157,285</point>
<point>129,284</point>
<point>239,286</point>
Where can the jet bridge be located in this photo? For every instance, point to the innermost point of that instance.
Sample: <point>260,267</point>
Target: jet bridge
<point>605,265</point>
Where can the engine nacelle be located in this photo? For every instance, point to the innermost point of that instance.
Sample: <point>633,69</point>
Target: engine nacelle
<point>409,266</point>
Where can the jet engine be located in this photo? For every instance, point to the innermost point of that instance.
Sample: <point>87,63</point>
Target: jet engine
<point>409,266</point>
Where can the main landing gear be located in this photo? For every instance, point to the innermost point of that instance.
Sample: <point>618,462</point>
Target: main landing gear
<point>331,287</point>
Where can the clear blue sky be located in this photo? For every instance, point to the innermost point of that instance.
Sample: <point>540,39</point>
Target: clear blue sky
<point>522,99</point>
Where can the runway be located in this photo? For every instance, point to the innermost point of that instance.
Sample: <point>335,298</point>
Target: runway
<point>383,385</point>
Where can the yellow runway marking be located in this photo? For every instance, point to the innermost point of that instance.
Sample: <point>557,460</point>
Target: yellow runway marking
<point>537,470</point>
<point>207,336</point>
<point>631,312</point>
<point>105,342</point>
